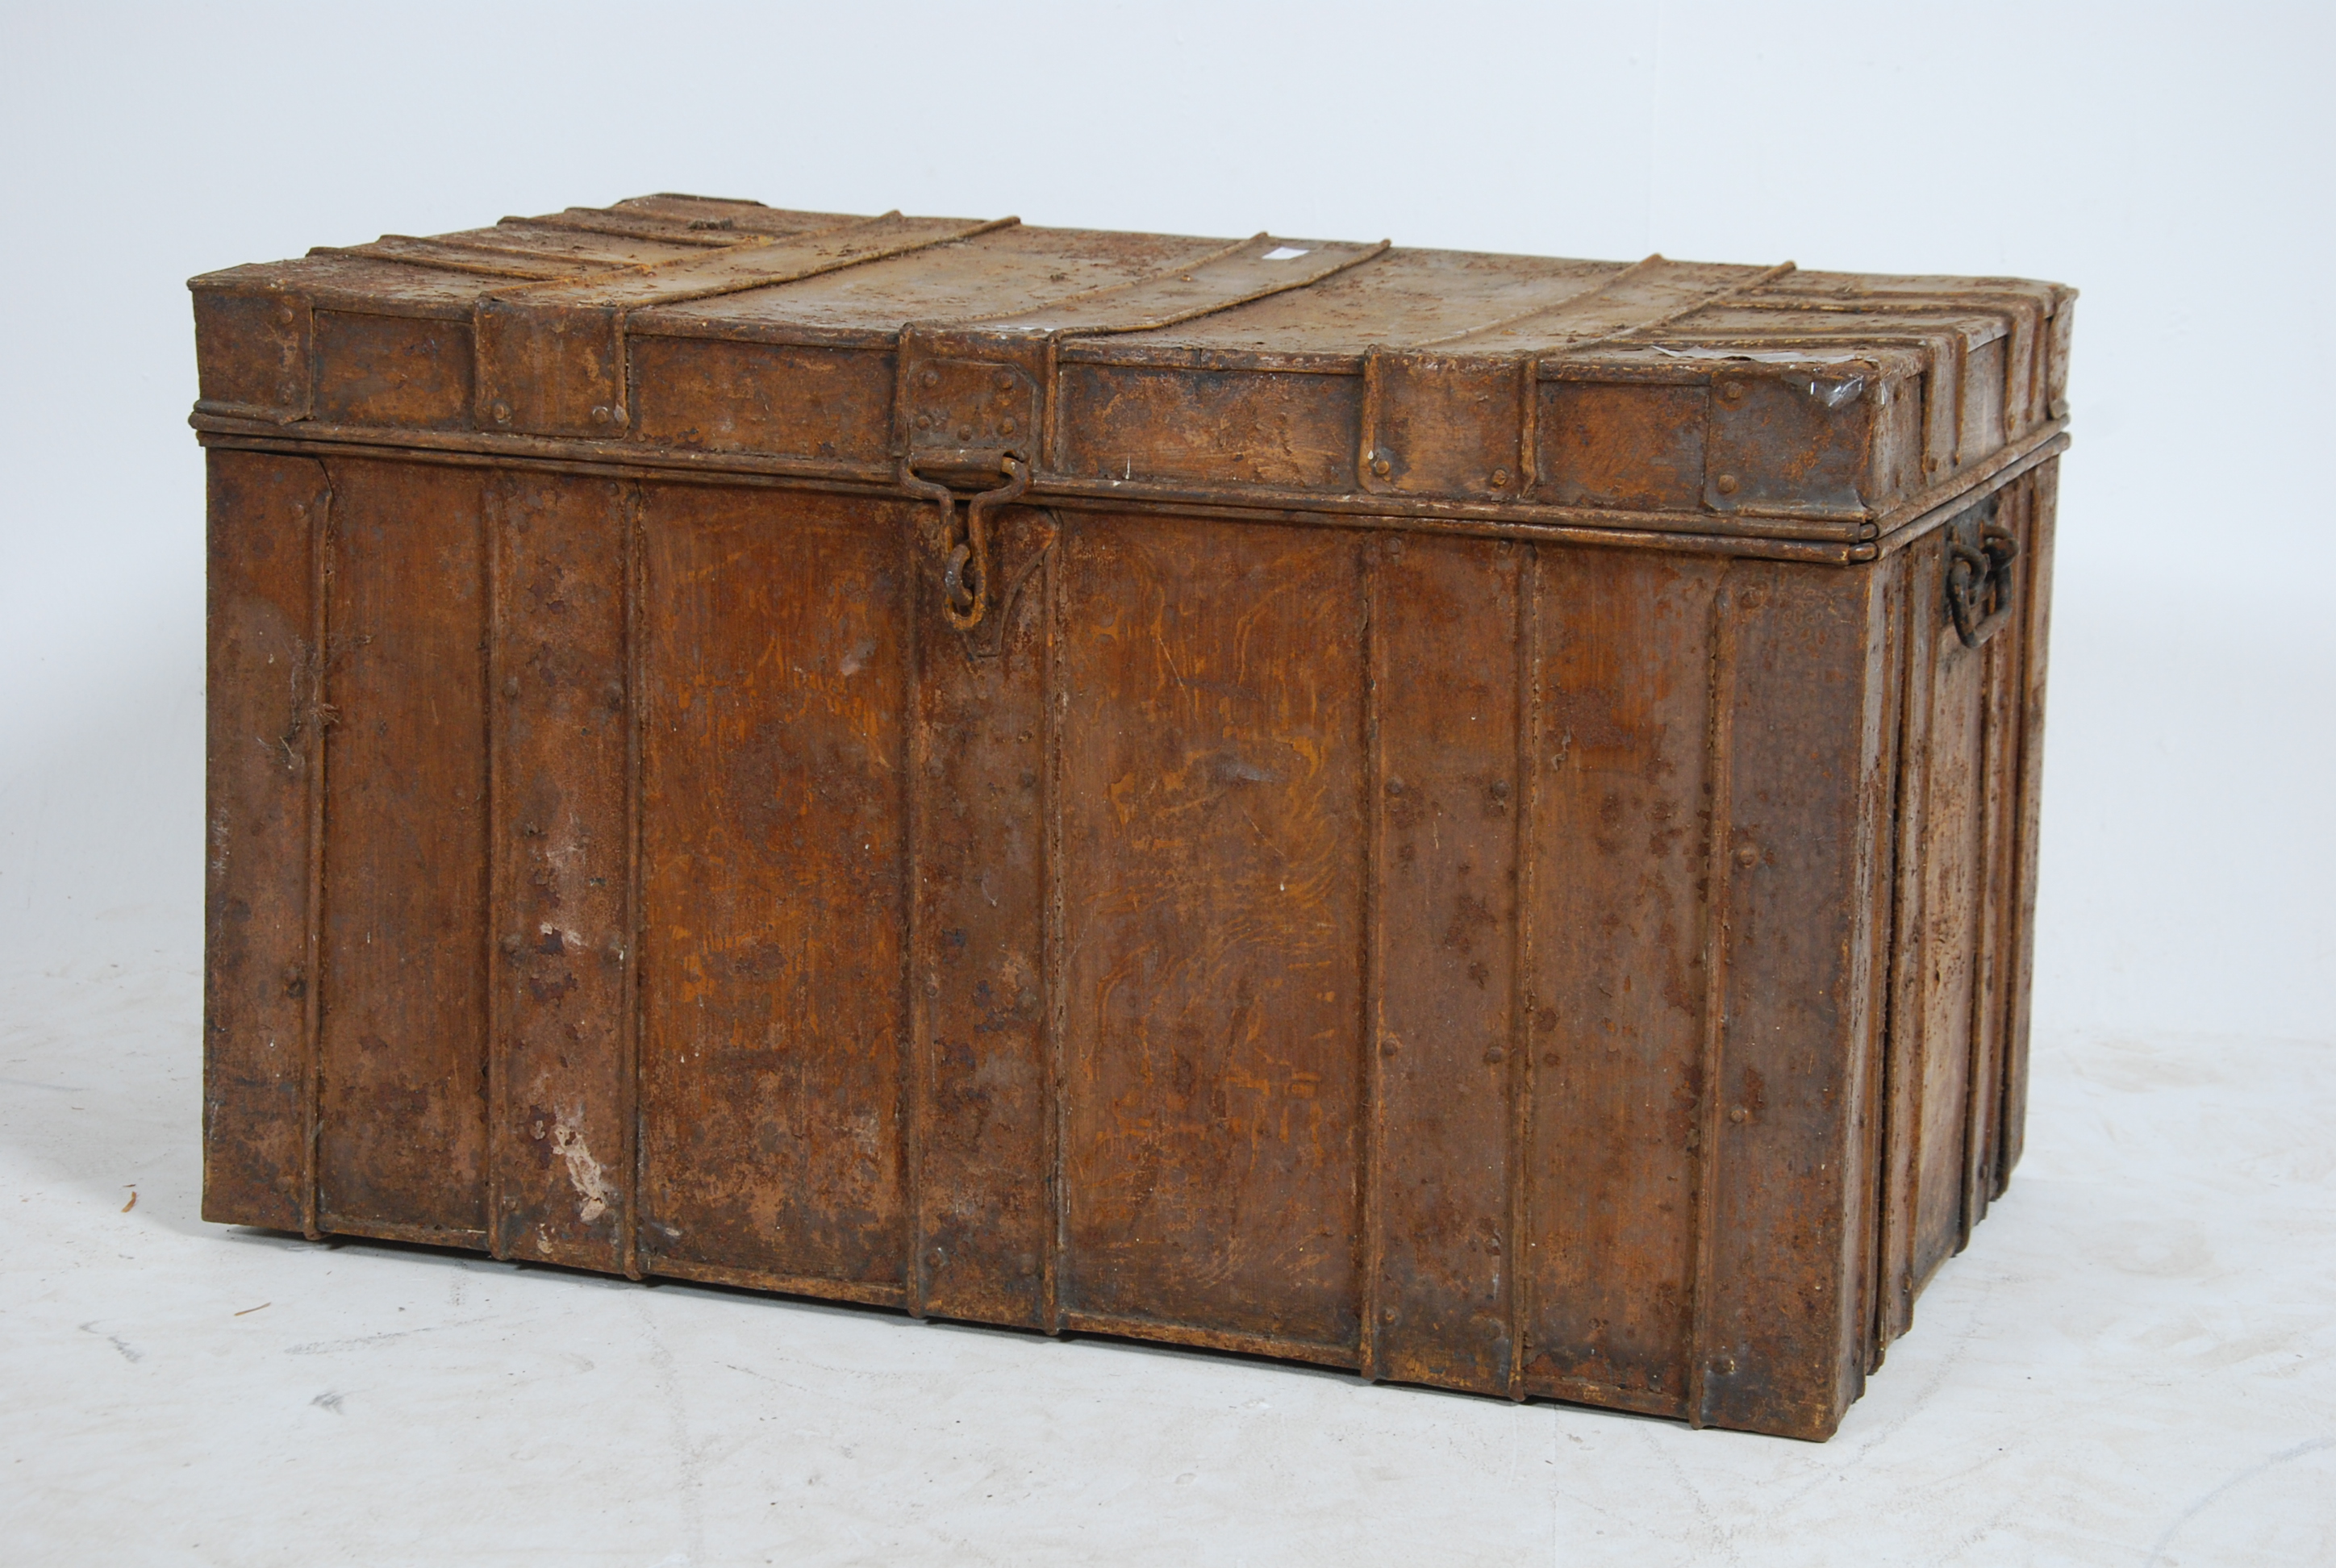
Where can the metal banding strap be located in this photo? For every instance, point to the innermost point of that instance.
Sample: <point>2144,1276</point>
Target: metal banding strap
<point>1255,269</point>
<point>552,355</point>
<point>472,256</point>
<point>1259,267</point>
<point>977,395</point>
<point>1643,297</point>
<point>758,263</point>
<point>484,252</point>
<point>662,230</point>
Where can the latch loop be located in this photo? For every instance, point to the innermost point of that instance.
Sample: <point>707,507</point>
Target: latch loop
<point>1979,582</point>
<point>964,545</point>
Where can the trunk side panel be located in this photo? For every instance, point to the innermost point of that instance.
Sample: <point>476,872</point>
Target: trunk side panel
<point>1795,854</point>
<point>562,841</point>
<point>1905,1035</point>
<point>266,515</point>
<point>1214,838</point>
<point>403,1097</point>
<point>1953,874</point>
<point>979,990</point>
<point>2035,589</point>
<point>1998,791</point>
<point>1447,657</point>
<point>1622,808</point>
<point>777,663</point>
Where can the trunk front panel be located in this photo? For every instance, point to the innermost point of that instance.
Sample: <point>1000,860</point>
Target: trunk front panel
<point>1464,959</point>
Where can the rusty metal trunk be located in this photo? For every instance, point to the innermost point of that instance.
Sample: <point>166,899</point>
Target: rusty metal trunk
<point>1471,818</point>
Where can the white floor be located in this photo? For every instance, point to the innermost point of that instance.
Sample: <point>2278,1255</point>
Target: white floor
<point>2135,1363</point>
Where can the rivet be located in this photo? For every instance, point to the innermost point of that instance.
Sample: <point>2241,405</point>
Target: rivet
<point>1388,1047</point>
<point>1500,478</point>
<point>1382,467</point>
<point>601,414</point>
<point>1388,1316</point>
<point>1394,787</point>
<point>924,422</point>
<point>1726,484</point>
<point>1497,1055</point>
<point>502,413</point>
<point>965,432</point>
<point>932,378</point>
<point>1747,856</point>
<point>511,685</point>
<point>282,316</point>
<point>1732,391</point>
<point>511,946</point>
<point>937,1257</point>
<point>1005,427</point>
<point>1738,1114</point>
<point>1004,381</point>
<point>1500,789</point>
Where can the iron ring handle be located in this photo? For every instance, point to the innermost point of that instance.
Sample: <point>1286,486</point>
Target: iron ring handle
<point>1979,576</point>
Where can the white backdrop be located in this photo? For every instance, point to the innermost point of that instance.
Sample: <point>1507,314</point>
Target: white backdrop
<point>2176,169</point>
<point>2135,1361</point>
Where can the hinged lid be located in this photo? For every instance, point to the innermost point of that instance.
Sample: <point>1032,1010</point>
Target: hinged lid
<point>1816,411</point>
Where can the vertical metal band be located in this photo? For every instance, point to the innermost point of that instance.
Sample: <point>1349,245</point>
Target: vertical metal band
<point>917,1037</point>
<point>1978,1059</point>
<point>1998,762</point>
<point>633,519</point>
<point>1908,1029</point>
<point>1367,437</point>
<point>2020,913</point>
<point>1719,782</point>
<point>1515,1260</point>
<point>1899,632</point>
<point>1050,419</point>
<point>1371,1036</point>
<point>1054,960</point>
<point>2016,824</point>
<point>1528,424</point>
<point>501,952</point>
<point>312,1005</point>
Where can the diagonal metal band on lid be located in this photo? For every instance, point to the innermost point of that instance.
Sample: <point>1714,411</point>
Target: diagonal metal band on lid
<point>1644,297</point>
<point>551,357</point>
<point>1256,269</point>
<point>976,386</point>
<point>479,258</point>
<point>737,268</point>
<point>1450,381</point>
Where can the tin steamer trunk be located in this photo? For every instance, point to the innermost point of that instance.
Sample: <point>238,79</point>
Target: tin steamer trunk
<point>1466,817</point>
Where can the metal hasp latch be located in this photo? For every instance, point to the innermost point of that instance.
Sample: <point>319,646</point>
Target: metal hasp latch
<point>966,413</point>
<point>964,536</point>
<point>1979,582</point>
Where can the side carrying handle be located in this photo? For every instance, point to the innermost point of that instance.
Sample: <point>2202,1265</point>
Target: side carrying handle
<point>1979,582</point>
<point>963,544</point>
